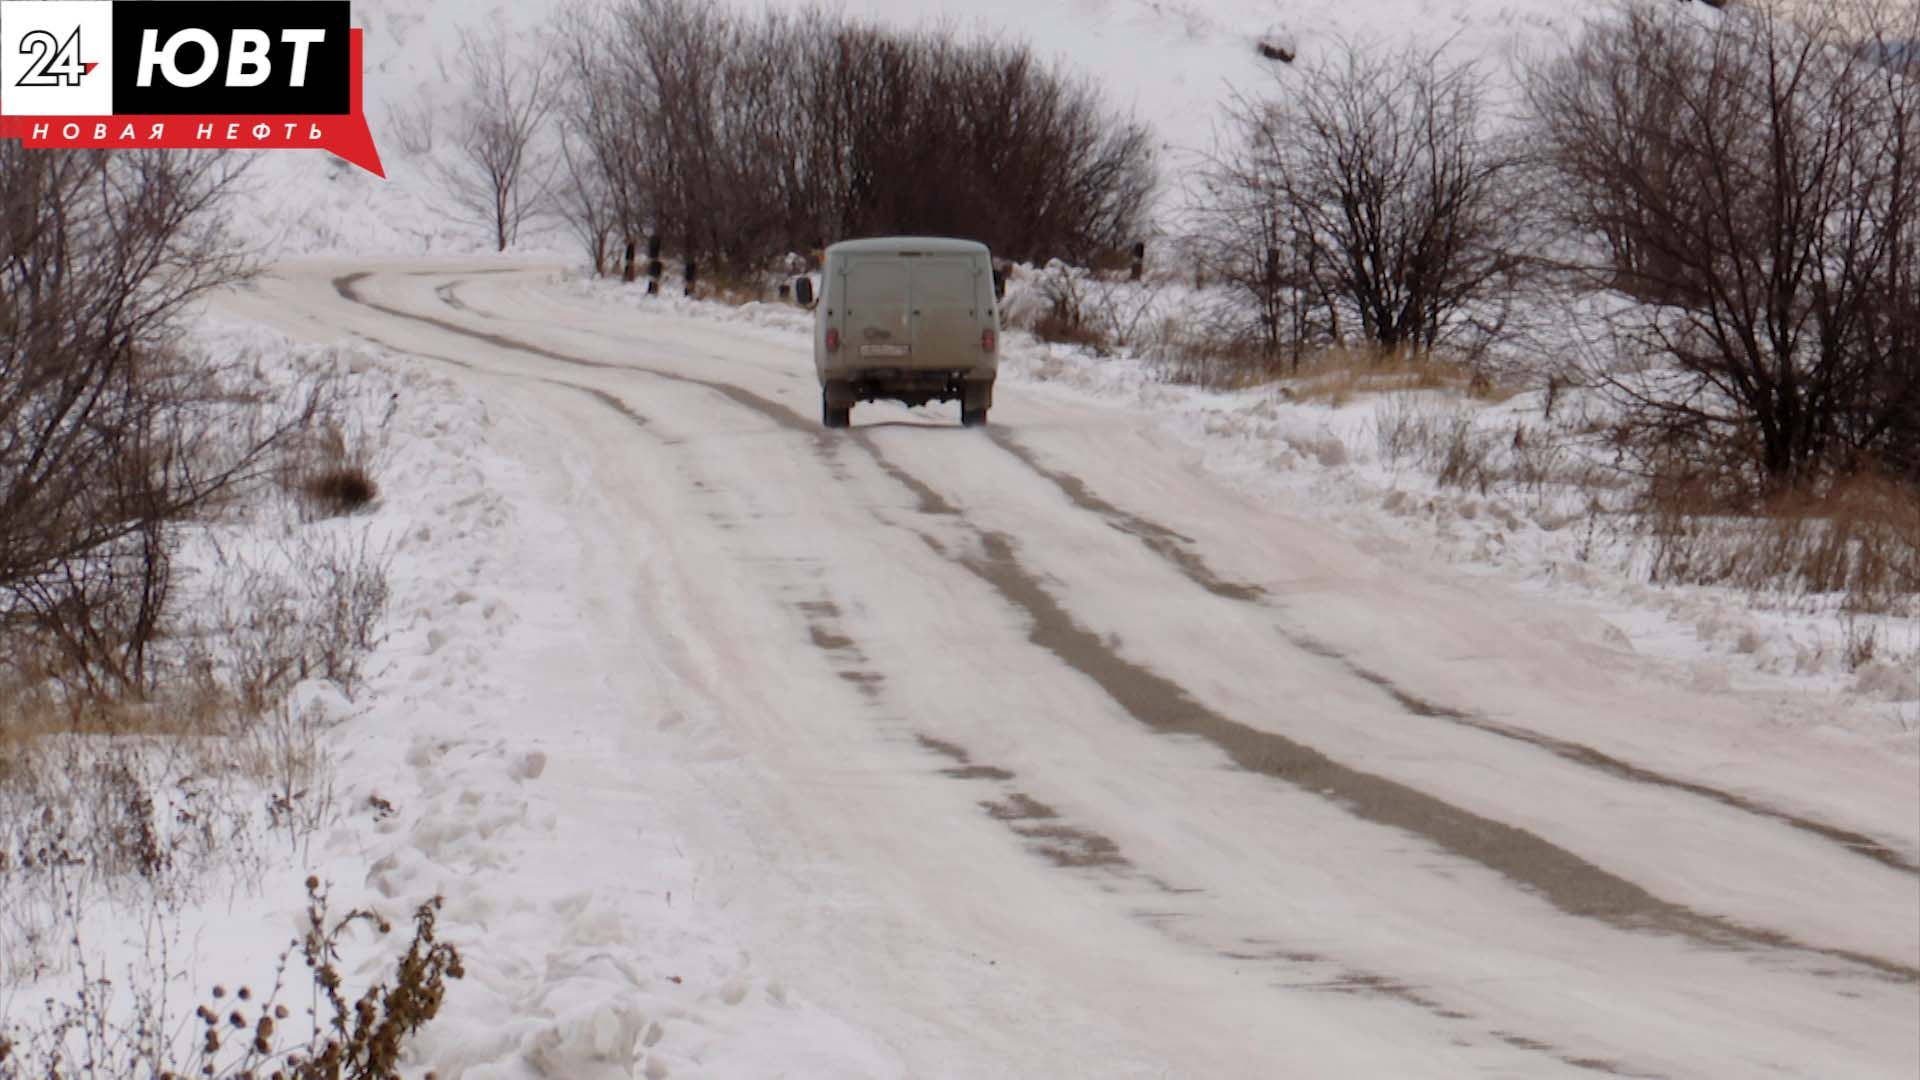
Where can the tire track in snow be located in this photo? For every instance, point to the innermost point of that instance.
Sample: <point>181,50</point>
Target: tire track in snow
<point>1177,549</point>
<point>1066,845</point>
<point>347,286</point>
<point>1565,880</point>
<point>1572,884</point>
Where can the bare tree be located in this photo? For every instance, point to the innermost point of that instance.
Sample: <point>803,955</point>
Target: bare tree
<point>1369,188</point>
<point>976,139</point>
<point>1752,180</point>
<point>586,202</point>
<point>740,139</point>
<point>496,179</point>
<point>108,435</point>
<point>600,139</point>
<point>1247,242</point>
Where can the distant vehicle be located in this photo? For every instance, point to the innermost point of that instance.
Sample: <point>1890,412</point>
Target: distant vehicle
<point>905,318</point>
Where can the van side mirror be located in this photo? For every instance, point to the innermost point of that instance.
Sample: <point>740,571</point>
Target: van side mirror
<point>803,291</point>
<point>999,285</point>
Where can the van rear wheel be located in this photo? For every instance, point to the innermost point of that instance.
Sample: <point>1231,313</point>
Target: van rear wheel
<point>973,417</point>
<point>834,416</point>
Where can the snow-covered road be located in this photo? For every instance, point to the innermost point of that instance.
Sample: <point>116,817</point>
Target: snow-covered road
<point>1036,751</point>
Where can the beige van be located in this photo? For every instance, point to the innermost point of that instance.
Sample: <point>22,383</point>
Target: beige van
<point>904,318</point>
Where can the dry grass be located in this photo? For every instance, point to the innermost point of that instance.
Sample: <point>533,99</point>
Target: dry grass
<point>1338,376</point>
<point>311,607</point>
<point>330,472</point>
<point>1857,540</point>
<point>132,802</point>
<point>342,490</point>
<point>137,798</point>
<point>1190,353</point>
<point>141,791</point>
<point>731,290</point>
<point>1056,329</point>
<point>1438,437</point>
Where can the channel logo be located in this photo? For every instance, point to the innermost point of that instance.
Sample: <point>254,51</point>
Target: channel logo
<point>198,74</point>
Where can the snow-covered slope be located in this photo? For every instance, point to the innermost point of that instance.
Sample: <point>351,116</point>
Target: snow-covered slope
<point>1173,63</point>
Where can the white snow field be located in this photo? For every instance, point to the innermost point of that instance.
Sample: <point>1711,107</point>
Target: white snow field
<point>1131,736</point>
<point>741,748</point>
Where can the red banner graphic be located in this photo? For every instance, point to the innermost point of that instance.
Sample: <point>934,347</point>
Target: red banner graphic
<point>345,135</point>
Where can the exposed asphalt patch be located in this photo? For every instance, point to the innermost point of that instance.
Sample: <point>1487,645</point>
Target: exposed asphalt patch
<point>931,501</point>
<point>1019,807</point>
<point>1161,540</point>
<point>1071,847</point>
<point>1061,844</point>
<point>944,748</point>
<point>1563,879</point>
<point>977,772</point>
<point>604,398</point>
<point>830,640</point>
<point>1176,549</point>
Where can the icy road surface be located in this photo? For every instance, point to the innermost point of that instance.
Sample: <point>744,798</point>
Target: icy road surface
<point>1033,751</point>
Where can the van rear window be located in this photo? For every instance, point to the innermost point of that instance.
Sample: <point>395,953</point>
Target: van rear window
<point>943,283</point>
<point>874,284</point>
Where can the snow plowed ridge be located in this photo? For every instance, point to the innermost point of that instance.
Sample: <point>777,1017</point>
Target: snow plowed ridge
<point>791,657</point>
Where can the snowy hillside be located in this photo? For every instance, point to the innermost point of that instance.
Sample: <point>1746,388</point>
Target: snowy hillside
<point>1173,63</point>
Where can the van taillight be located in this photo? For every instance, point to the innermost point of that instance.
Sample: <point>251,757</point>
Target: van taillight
<point>988,340</point>
<point>833,339</point>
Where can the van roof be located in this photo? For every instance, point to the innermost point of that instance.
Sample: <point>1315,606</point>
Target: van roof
<point>902,245</point>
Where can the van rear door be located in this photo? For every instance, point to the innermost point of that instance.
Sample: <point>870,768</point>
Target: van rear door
<point>946,310</point>
<point>877,316</point>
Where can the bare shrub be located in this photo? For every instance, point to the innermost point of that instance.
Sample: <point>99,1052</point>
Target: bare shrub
<point>740,139</point>
<point>1443,439</point>
<point>330,471</point>
<point>411,125</point>
<point>1364,199</point>
<point>1127,311</point>
<point>1065,291</point>
<point>1462,458</point>
<point>1751,183</point>
<point>284,752</point>
<point>109,436</point>
<point>1538,459</point>
<point>1862,642</point>
<point>311,608</point>
<point>587,203</point>
<point>1405,428</point>
<point>1250,244</point>
<point>131,798</point>
<point>342,489</point>
<point>102,1032</point>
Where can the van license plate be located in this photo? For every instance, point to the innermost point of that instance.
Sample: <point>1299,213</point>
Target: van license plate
<point>885,350</point>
